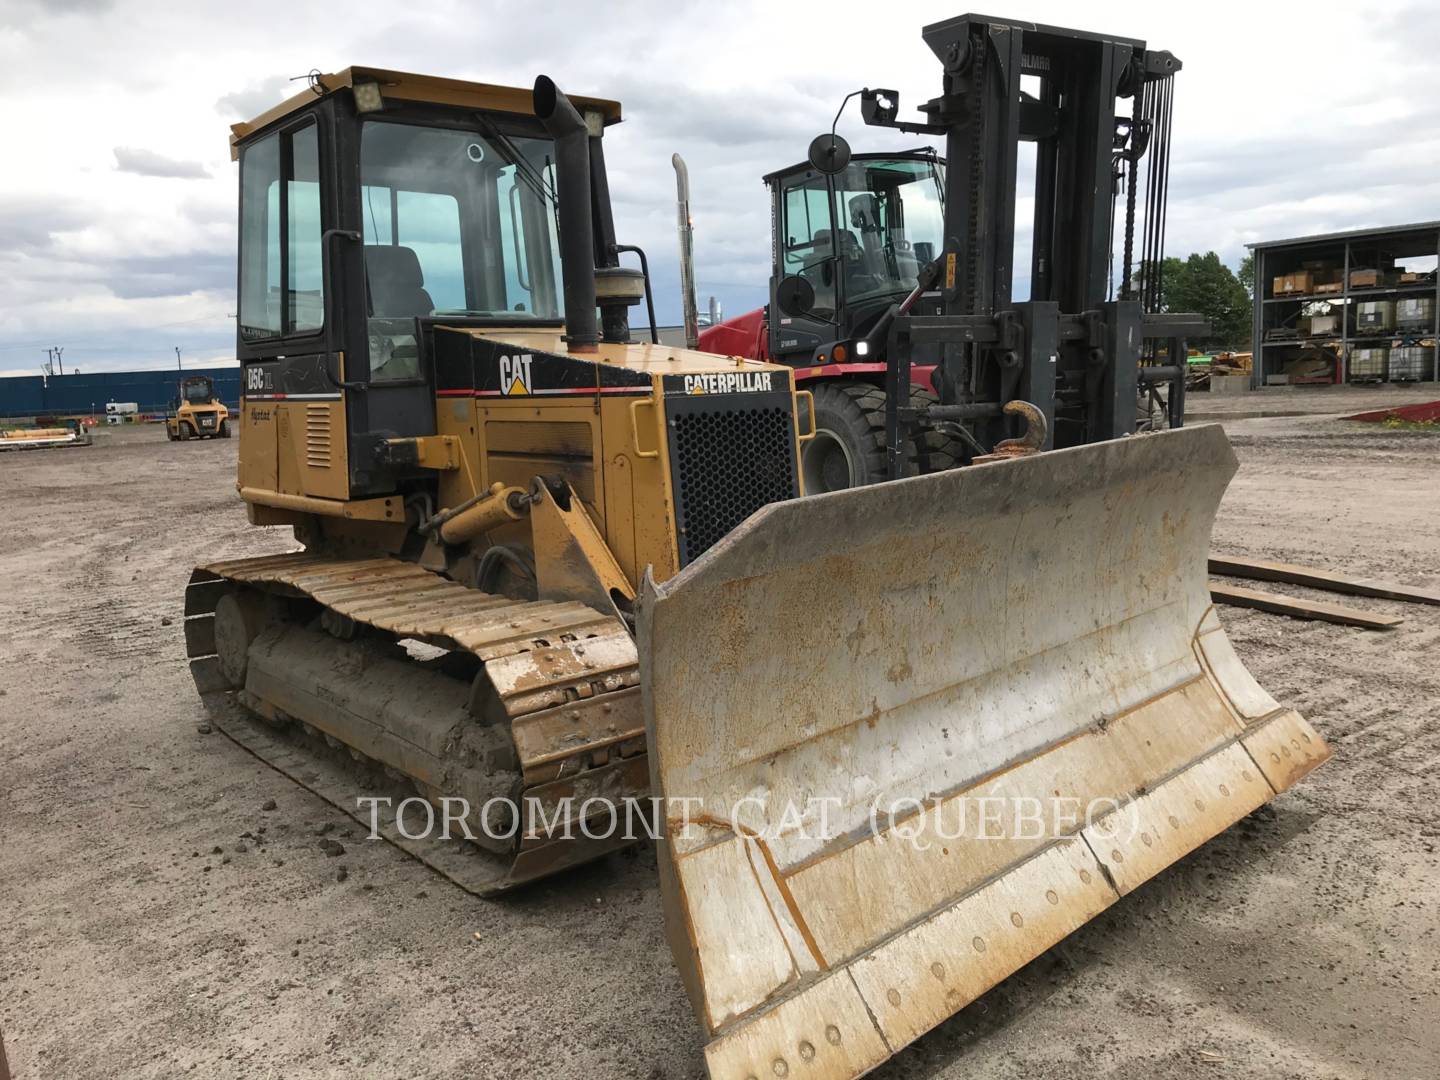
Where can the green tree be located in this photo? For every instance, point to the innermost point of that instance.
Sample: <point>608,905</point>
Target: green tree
<point>1205,285</point>
<point>1169,268</point>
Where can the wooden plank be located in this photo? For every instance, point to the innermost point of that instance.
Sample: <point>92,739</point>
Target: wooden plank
<point>1300,609</point>
<point>1260,570</point>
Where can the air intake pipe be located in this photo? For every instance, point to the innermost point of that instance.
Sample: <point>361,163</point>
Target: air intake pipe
<point>577,234</point>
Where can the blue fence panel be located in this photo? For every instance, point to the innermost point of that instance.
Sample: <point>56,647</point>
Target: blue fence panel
<point>152,391</point>
<point>23,395</point>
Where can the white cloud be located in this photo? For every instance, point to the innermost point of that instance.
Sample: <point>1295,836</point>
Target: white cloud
<point>119,265</point>
<point>144,162</point>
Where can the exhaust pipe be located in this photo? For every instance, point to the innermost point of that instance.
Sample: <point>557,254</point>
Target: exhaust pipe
<point>577,235</point>
<point>687,252</point>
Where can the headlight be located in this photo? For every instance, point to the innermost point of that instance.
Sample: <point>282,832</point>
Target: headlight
<point>367,97</point>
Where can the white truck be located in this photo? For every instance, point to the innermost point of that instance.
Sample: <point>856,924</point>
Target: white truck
<point>117,411</point>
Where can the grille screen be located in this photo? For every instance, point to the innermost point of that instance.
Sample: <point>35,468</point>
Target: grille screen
<point>728,461</point>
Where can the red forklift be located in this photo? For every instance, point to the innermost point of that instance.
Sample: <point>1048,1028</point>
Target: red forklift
<point>890,270</point>
<point>859,238</point>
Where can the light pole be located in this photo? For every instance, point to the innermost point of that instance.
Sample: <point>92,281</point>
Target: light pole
<point>178,365</point>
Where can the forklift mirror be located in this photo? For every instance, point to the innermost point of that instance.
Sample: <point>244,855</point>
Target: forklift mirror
<point>795,296</point>
<point>829,153</point>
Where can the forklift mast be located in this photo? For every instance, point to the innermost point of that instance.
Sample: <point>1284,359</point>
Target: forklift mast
<point>1076,348</point>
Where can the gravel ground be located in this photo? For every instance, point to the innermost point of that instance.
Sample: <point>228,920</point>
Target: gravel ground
<point>1308,400</point>
<point>165,907</point>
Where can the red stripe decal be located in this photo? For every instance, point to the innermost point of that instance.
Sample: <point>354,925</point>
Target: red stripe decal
<point>576,391</point>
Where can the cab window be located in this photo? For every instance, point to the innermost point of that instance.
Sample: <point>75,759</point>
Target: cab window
<point>808,249</point>
<point>281,285</point>
<point>457,221</point>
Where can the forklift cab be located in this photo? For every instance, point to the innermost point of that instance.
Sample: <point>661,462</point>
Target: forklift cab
<point>195,390</point>
<point>858,238</point>
<point>375,206</point>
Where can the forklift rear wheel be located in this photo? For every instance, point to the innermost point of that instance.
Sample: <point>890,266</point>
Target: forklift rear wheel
<point>224,429</point>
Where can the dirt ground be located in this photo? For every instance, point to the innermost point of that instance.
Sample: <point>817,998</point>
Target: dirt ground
<point>143,934</point>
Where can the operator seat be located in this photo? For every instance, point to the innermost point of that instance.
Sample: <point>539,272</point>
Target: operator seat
<point>397,284</point>
<point>865,216</point>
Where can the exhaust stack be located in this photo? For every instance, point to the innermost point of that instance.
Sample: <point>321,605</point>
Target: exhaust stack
<point>577,234</point>
<point>687,251</point>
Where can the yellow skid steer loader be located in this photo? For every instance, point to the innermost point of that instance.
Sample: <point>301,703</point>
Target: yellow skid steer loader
<point>902,738</point>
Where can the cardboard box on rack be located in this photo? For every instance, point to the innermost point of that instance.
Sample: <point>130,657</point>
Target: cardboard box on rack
<point>1302,281</point>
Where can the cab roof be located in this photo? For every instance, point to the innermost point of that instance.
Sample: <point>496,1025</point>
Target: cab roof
<point>919,153</point>
<point>429,89</point>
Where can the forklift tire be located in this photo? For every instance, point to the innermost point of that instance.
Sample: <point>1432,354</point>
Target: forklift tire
<point>848,449</point>
<point>224,429</point>
<point>849,445</point>
<point>171,435</point>
<point>184,432</point>
<point>935,451</point>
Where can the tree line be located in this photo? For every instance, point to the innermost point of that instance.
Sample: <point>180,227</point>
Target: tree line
<point>1204,284</point>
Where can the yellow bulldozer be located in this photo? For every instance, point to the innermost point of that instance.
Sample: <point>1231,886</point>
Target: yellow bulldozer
<point>893,741</point>
<point>196,413</point>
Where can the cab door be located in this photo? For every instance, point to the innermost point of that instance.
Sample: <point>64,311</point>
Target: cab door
<point>804,246</point>
<point>292,412</point>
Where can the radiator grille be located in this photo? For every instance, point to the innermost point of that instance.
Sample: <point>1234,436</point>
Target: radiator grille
<point>317,435</point>
<point>729,458</point>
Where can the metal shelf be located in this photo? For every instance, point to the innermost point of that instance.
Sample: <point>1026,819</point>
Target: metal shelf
<point>1354,294</point>
<point>1360,251</point>
<point>1404,335</point>
<point>1308,298</point>
<point>1424,289</point>
<point>1333,339</point>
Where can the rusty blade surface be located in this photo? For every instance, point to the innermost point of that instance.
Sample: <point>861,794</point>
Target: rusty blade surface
<point>911,735</point>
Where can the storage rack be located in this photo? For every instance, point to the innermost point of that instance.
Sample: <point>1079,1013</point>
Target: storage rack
<point>1359,249</point>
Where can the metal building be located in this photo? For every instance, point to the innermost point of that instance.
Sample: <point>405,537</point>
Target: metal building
<point>87,393</point>
<point>1357,306</point>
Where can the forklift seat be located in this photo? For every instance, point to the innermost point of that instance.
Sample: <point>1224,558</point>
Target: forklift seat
<point>397,284</point>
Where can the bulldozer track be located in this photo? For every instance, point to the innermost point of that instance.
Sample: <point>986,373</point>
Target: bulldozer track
<point>565,676</point>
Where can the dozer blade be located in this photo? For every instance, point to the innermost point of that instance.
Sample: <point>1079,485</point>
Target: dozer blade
<point>912,735</point>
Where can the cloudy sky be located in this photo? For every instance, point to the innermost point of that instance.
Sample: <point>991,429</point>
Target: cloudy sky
<point>117,194</point>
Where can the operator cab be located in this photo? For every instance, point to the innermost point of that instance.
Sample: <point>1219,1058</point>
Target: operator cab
<point>859,237</point>
<point>196,390</point>
<point>374,206</point>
